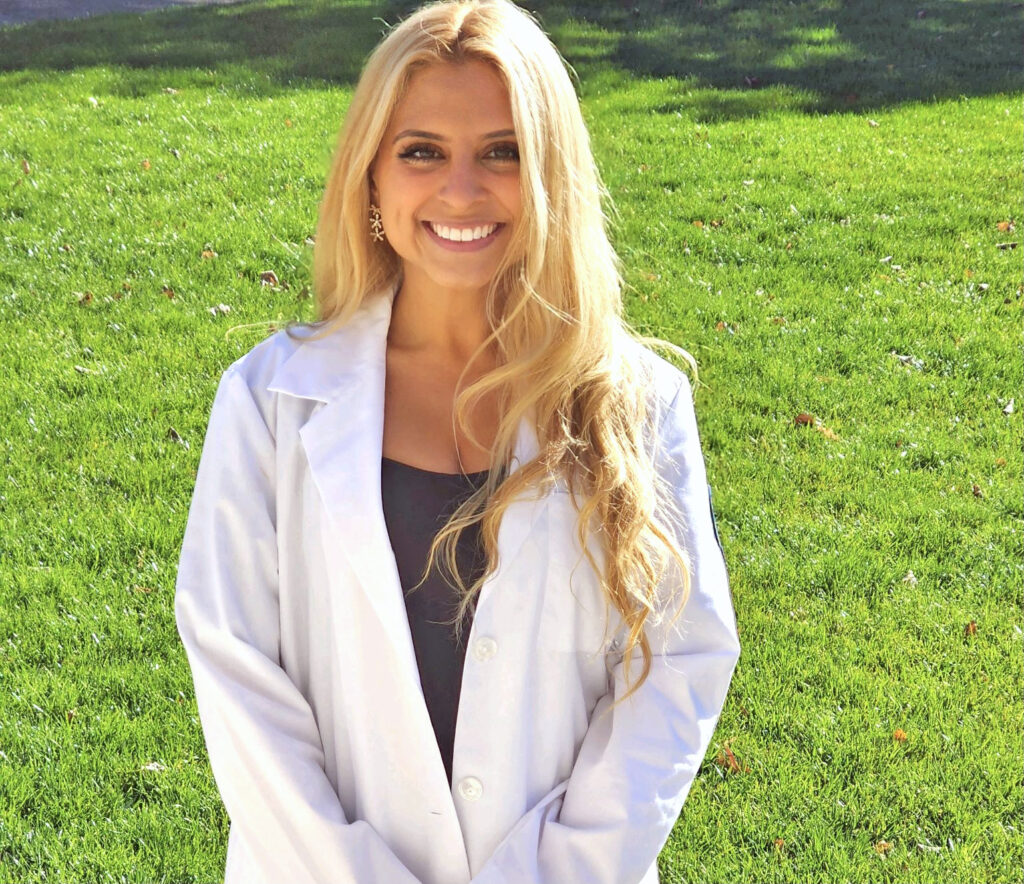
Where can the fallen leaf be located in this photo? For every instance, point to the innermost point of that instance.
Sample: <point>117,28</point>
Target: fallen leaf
<point>288,123</point>
<point>910,579</point>
<point>209,253</point>
<point>779,843</point>
<point>976,491</point>
<point>968,273</point>
<point>1009,408</point>
<point>154,765</point>
<point>698,223</point>
<point>873,124</point>
<point>779,320</point>
<point>84,298</point>
<point>971,628</point>
<point>70,715</point>
<point>826,432</point>
<point>1005,226</point>
<point>804,419</point>
<point>719,326</point>
<point>25,167</point>
<point>221,309</point>
<point>883,847</point>
<point>145,164</point>
<point>310,241</point>
<point>899,735</point>
<point>143,589</point>
<point>174,436</point>
<point>728,760</point>
<point>907,359</point>
<point>168,291</point>
<point>268,277</point>
<point>747,182</point>
<point>717,222</point>
<point>1006,245</point>
<point>170,90</point>
<point>1000,461</point>
<point>93,101</point>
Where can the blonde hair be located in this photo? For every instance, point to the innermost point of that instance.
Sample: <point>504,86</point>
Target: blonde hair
<point>554,307</point>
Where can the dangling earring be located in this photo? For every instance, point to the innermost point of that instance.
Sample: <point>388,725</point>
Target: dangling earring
<point>376,226</point>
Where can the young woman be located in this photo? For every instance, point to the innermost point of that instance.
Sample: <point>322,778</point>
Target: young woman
<point>450,588</point>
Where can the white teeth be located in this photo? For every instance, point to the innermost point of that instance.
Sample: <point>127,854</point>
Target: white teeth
<point>463,234</point>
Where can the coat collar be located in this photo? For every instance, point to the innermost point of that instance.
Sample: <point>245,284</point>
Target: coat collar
<point>344,372</point>
<point>352,360</point>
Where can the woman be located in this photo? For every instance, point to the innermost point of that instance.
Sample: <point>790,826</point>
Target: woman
<point>526,694</point>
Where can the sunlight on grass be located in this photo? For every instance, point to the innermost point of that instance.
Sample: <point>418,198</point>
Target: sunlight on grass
<point>839,251</point>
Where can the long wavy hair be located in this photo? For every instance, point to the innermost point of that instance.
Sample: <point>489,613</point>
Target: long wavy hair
<point>566,358</point>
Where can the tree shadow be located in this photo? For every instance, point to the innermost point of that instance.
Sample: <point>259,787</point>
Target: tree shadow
<point>836,54</point>
<point>269,45</point>
<point>827,55</point>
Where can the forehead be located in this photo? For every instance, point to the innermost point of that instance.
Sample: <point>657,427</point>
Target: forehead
<point>454,98</point>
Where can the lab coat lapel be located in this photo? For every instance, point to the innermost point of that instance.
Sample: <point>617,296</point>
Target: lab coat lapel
<point>343,440</point>
<point>345,372</point>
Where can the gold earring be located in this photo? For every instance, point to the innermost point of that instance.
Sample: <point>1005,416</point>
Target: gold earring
<point>376,225</point>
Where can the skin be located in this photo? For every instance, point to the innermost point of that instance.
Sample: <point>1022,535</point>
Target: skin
<point>449,158</point>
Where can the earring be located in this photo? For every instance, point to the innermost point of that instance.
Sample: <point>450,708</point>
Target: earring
<point>376,226</point>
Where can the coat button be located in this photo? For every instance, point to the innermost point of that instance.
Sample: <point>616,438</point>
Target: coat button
<point>484,649</point>
<point>471,788</point>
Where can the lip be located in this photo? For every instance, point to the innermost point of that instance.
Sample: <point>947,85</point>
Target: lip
<point>474,245</point>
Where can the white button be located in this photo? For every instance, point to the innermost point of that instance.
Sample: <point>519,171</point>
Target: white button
<point>471,788</point>
<point>484,649</point>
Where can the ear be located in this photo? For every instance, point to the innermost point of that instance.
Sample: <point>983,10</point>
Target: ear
<point>373,187</point>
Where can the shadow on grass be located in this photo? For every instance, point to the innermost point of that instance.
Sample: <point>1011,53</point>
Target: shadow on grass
<point>835,54</point>
<point>843,54</point>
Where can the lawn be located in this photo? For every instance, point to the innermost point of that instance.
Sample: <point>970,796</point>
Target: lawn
<point>820,201</point>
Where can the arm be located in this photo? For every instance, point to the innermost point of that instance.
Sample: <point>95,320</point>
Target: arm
<point>638,761</point>
<point>262,738</point>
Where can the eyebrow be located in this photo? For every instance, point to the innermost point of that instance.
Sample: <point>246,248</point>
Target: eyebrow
<point>433,136</point>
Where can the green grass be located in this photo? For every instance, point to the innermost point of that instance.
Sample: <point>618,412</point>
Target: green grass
<point>827,247</point>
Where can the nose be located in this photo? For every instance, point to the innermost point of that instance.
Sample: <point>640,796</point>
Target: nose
<point>463,185</point>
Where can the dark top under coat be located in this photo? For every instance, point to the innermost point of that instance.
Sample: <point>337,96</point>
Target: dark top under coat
<point>417,503</point>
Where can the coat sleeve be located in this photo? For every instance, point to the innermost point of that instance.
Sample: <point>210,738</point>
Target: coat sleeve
<point>638,760</point>
<point>261,734</point>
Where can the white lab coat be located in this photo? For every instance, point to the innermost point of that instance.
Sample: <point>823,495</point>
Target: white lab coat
<point>291,612</point>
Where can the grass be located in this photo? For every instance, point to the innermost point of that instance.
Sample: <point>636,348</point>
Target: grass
<point>825,240</point>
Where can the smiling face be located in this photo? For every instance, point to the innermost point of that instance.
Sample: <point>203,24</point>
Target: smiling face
<point>446,177</point>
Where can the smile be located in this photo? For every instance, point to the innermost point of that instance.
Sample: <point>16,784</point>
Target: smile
<point>462,234</point>
<point>463,239</point>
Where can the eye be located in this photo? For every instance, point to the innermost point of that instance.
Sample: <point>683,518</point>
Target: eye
<point>419,153</point>
<point>507,152</point>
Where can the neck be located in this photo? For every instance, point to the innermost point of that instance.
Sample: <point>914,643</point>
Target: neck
<point>441,323</point>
